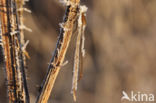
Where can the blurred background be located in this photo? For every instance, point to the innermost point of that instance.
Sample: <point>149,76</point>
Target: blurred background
<point>120,50</point>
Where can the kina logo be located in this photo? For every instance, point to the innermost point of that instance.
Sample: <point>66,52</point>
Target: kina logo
<point>137,97</point>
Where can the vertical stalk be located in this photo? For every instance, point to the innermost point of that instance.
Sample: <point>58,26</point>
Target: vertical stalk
<point>6,45</point>
<point>22,63</point>
<point>14,65</point>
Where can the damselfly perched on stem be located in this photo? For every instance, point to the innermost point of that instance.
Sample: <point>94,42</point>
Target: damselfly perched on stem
<point>14,49</point>
<point>74,13</point>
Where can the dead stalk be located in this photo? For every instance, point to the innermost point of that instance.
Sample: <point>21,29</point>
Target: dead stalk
<point>60,51</point>
<point>11,12</point>
<point>14,65</point>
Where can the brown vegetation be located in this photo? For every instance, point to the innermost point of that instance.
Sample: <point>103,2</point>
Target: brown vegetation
<point>120,50</point>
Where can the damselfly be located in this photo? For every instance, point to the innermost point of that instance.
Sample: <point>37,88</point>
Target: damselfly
<point>79,51</point>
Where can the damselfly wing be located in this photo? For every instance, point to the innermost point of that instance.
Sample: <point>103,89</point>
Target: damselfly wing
<point>79,51</point>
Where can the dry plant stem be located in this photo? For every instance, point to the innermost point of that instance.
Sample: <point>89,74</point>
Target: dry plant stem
<point>16,81</point>
<point>20,4</point>
<point>22,61</point>
<point>6,44</point>
<point>20,36</point>
<point>60,51</point>
<point>21,9</point>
